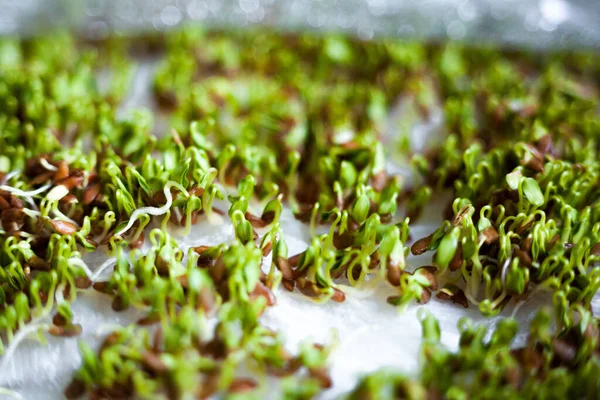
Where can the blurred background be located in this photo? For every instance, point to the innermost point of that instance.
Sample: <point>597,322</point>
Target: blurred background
<point>531,23</point>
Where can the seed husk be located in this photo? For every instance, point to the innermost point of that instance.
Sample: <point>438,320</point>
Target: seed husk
<point>393,274</point>
<point>421,245</point>
<point>457,259</point>
<point>288,284</point>
<point>255,221</point>
<point>262,290</point>
<point>490,235</point>
<point>267,249</point>
<point>90,193</point>
<point>283,265</point>
<point>338,296</point>
<point>65,331</point>
<point>153,362</point>
<point>429,271</point>
<point>242,385</point>
<point>63,227</point>
<point>75,390</point>
<point>62,171</point>
<point>453,293</point>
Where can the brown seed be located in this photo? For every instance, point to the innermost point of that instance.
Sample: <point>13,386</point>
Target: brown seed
<point>288,284</point>
<point>118,304</point>
<point>42,177</point>
<point>393,300</point>
<point>526,244</point>
<point>490,235</point>
<point>379,181</point>
<point>150,319</point>
<point>102,287</point>
<point>38,263</point>
<point>137,243</point>
<point>83,282</point>
<point>453,293</point>
<point>595,250</point>
<point>4,204</point>
<point>90,193</point>
<point>307,288</point>
<point>62,171</point>
<point>322,376</point>
<point>262,290</point>
<point>553,241</point>
<point>544,145</point>
<point>255,221</point>
<point>268,217</point>
<point>535,163</point>
<point>209,386</point>
<point>375,260</point>
<point>353,226</point>
<point>71,182</point>
<point>344,240</point>
<point>294,260</point>
<point>69,199</point>
<point>197,191</point>
<point>59,320</point>
<point>153,362</point>
<point>16,202</point>
<point>283,265</point>
<point>242,385</point>
<point>393,274</point>
<point>565,351</point>
<point>217,272</point>
<point>338,296</point>
<point>429,272</point>
<point>201,249</point>
<point>457,260</point>
<point>386,218</point>
<point>523,257</point>
<point>75,390</point>
<point>205,261</point>
<point>63,227</point>
<point>157,339</point>
<point>425,296</point>
<point>12,215</point>
<point>65,331</point>
<point>513,376</point>
<point>421,245</point>
<point>207,299</point>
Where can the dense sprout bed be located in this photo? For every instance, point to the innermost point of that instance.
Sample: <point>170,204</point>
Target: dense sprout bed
<point>259,122</point>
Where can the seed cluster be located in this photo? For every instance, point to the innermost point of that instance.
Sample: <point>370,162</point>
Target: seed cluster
<point>259,121</point>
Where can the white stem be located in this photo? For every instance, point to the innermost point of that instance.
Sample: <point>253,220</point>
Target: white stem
<point>77,262</point>
<point>107,328</point>
<point>44,163</point>
<point>9,176</point>
<point>19,337</point>
<point>11,393</point>
<point>150,210</point>
<point>58,295</point>
<point>31,213</point>
<point>108,263</point>
<point>19,192</point>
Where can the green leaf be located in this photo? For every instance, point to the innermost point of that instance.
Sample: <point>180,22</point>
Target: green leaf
<point>532,192</point>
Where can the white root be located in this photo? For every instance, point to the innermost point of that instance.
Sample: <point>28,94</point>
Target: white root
<point>106,264</point>
<point>155,211</point>
<point>44,163</point>
<point>19,192</point>
<point>21,335</point>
